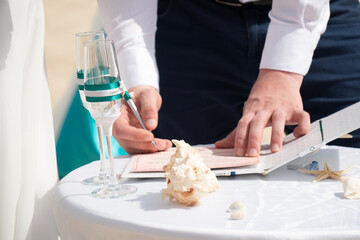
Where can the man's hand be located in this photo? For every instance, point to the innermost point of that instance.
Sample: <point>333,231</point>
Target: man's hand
<point>274,101</point>
<point>127,129</point>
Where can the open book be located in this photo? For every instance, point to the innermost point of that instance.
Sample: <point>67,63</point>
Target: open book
<point>223,162</point>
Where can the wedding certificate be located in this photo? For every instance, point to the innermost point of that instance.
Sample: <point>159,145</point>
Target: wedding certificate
<point>223,162</point>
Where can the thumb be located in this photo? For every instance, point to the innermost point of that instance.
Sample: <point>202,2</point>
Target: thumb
<point>227,142</point>
<point>149,109</point>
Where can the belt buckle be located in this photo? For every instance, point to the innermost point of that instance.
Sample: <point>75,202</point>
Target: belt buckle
<point>234,4</point>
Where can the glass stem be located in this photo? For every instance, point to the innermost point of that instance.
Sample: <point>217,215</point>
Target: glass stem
<point>103,166</point>
<point>112,178</point>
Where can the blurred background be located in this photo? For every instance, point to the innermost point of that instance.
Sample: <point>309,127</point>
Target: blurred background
<point>62,20</point>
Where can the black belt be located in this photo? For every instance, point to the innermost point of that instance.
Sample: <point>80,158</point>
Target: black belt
<point>237,3</point>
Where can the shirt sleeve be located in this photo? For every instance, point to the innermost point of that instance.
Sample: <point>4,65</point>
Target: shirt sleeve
<point>293,34</point>
<point>132,26</point>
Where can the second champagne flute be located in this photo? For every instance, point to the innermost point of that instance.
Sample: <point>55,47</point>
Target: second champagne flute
<point>80,39</point>
<point>104,103</point>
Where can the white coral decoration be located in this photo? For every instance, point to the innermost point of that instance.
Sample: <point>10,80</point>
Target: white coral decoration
<point>187,177</point>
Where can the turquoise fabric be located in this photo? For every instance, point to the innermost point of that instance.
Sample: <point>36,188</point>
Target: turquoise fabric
<point>78,142</point>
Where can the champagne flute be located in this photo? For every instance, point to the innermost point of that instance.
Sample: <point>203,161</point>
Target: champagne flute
<point>104,103</point>
<point>81,38</point>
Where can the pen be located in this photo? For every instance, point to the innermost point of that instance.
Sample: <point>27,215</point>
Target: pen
<point>133,107</point>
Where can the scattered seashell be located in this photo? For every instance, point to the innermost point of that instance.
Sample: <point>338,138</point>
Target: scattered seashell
<point>352,188</point>
<point>235,206</point>
<point>237,210</point>
<point>237,214</point>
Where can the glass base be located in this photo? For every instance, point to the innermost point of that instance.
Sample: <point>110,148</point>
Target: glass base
<point>96,180</point>
<point>113,192</point>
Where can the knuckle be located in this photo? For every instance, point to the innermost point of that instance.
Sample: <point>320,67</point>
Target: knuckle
<point>149,110</point>
<point>149,114</point>
<point>256,120</point>
<point>243,122</point>
<point>239,145</point>
<point>261,116</point>
<point>239,141</point>
<point>138,136</point>
<point>245,118</point>
<point>258,123</point>
<point>278,115</point>
<point>303,115</point>
<point>254,140</point>
<point>301,130</point>
<point>306,115</point>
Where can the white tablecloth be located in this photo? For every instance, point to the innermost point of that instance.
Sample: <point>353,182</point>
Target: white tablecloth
<point>282,205</point>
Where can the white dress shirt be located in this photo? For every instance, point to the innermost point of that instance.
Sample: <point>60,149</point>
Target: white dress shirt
<point>293,34</point>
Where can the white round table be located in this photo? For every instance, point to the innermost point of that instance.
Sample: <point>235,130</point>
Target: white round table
<point>282,205</point>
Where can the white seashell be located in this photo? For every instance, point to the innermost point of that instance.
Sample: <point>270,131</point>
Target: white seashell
<point>237,210</point>
<point>352,188</point>
<point>187,177</point>
<point>237,205</point>
<point>237,214</point>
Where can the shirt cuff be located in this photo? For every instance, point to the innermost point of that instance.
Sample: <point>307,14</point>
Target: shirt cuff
<point>289,49</point>
<point>137,66</point>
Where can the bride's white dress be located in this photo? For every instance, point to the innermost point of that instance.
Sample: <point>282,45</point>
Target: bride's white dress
<point>27,147</point>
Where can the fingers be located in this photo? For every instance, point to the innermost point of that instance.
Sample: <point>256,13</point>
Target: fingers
<point>277,132</point>
<point>134,139</point>
<point>149,106</point>
<point>227,142</point>
<point>125,131</point>
<point>274,99</point>
<point>256,129</point>
<point>242,132</point>
<point>147,147</point>
<point>128,131</point>
<point>137,140</point>
<point>303,120</point>
<point>248,134</point>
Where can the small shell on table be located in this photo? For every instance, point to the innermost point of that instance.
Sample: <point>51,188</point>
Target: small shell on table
<point>235,206</point>
<point>237,210</point>
<point>352,188</point>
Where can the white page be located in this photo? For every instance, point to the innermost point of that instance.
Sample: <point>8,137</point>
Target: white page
<point>341,123</point>
<point>294,147</point>
<point>223,161</point>
<point>321,132</point>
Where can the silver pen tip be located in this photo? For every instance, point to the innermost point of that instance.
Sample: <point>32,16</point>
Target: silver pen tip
<point>154,143</point>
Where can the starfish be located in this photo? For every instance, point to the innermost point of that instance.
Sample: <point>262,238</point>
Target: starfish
<point>327,173</point>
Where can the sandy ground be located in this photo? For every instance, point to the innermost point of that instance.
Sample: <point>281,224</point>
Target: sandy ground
<point>62,20</point>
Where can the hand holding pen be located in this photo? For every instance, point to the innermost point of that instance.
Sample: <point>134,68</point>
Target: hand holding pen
<point>130,133</point>
<point>134,109</point>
